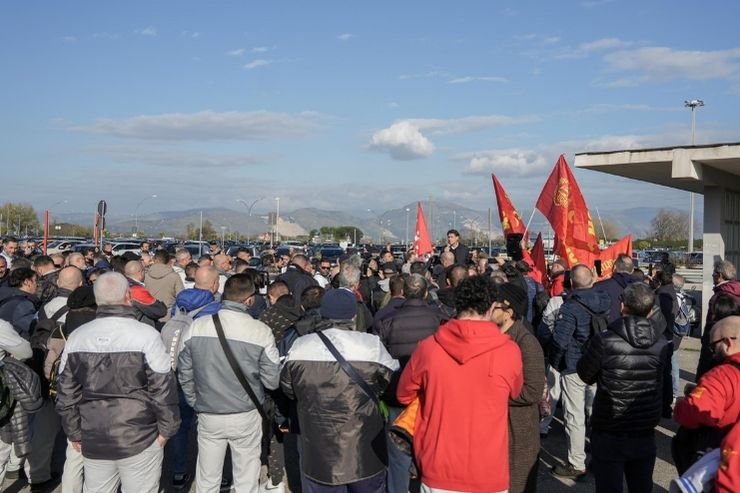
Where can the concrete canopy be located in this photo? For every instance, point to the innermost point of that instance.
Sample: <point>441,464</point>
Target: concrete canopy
<point>688,168</point>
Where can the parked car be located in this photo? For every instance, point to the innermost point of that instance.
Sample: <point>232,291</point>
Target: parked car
<point>60,246</point>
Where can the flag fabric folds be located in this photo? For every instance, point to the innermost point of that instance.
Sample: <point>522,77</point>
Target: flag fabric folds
<point>535,258</point>
<point>562,203</point>
<point>609,256</point>
<point>510,220</point>
<point>422,243</point>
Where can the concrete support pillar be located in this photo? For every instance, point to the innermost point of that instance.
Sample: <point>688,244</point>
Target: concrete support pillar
<point>714,244</point>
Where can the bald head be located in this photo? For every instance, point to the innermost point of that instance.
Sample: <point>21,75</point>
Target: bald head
<point>207,278</point>
<point>581,277</point>
<point>77,259</point>
<point>69,278</point>
<point>222,262</point>
<point>135,270</point>
<point>725,336</point>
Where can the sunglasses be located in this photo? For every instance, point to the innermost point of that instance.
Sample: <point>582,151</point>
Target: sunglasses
<point>726,340</point>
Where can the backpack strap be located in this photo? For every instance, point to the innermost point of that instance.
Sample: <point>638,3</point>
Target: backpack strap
<point>235,367</point>
<point>347,368</point>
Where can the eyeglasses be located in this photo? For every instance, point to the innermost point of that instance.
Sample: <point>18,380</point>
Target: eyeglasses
<point>726,340</point>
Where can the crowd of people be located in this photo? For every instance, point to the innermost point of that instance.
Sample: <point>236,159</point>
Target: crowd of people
<point>364,375</point>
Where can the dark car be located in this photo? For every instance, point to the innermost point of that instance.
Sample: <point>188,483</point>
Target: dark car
<point>331,253</point>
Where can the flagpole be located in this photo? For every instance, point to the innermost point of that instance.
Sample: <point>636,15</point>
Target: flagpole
<point>526,230</point>
<point>489,230</point>
<point>602,225</point>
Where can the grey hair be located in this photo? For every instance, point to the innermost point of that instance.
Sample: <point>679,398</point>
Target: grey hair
<point>624,264</point>
<point>678,281</point>
<point>110,289</point>
<point>415,287</point>
<point>726,269</point>
<point>349,275</point>
<point>581,276</point>
<point>182,254</point>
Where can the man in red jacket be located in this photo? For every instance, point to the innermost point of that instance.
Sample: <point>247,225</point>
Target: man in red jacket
<point>715,401</point>
<point>464,376</point>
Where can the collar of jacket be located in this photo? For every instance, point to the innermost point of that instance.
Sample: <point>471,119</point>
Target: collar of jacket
<point>63,292</point>
<point>343,324</point>
<point>234,306</point>
<point>115,311</point>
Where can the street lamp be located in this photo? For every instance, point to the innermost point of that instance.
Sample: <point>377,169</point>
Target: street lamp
<point>693,104</point>
<point>277,220</point>
<point>407,226</point>
<point>136,214</point>
<point>249,211</point>
<point>223,236</point>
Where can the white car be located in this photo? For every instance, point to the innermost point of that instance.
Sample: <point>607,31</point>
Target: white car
<point>61,246</point>
<point>121,248</point>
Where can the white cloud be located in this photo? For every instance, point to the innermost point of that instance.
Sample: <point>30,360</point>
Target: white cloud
<point>148,31</point>
<point>661,64</point>
<point>169,158</point>
<point>551,40</point>
<point>403,141</point>
<point>599,45</point>
<point>257,63</point>
<point>536,160</point>
<point>513,161</point>
<point>205,126</point>
<point>236,52</point>
<point>345,37</point>
<point>260,49</point>
<point>468,123</point>
<point>69,39</point>
<point>466,79</point>
<point>190,34</point>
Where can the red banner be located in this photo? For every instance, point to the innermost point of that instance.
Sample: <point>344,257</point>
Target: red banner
<point>609,256</point>
<point>562,203</point>
<point>422,243</point>
<point>510,220</point>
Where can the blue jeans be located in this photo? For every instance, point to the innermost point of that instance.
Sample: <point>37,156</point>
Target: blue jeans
<point>398,462</point>
<point>180,440</point>
<point>373,484</point>
<point>675,368</point>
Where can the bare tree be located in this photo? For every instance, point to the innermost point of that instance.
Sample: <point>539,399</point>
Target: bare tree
<point>670,225</point>
<point>611,231</point>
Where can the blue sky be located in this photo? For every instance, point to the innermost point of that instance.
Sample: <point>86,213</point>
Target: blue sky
<point>350,105</point>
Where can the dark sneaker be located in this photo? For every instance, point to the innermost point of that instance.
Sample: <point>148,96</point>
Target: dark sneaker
<point>180,481</point>
<point>568,471</point>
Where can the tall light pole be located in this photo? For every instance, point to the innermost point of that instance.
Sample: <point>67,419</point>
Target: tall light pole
<point>693,104</point>
<point>223,236</point>
<point>136,213</point>
<point>249,211</point>
<point>277,220</point>
<point>454,219</point>
<point>407,226</point>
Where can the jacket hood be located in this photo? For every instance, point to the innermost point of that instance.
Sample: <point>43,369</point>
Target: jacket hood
<point>159,271</point>
<point>81,297</point>
<point>7,292</point>
<point>623,279</point>
<point>286,306</point>
<point>463,340</point>
<point>596,300</point>
<point>190,299</point>
<point>730,287</point>
<point>639,332</point>
<point>311,321</point>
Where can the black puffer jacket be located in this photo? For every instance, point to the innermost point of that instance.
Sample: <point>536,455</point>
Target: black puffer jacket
<point>626,361</point>
<point>25,388</point>
<point>401,332</point>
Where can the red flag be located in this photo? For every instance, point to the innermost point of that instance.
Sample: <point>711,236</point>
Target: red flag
<point>535,258</point>
<point>510,220</point>
<point>422,243</point>
<point>609,256</point>
<point>562,203</point>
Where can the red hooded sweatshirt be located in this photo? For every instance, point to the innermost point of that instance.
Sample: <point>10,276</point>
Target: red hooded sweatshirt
<point>716,402</point>
<point>464,375</point>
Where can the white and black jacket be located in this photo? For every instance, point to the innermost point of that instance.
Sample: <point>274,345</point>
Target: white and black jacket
<point>207,380</point>
<point>342,429</point>
<point>116,388</point>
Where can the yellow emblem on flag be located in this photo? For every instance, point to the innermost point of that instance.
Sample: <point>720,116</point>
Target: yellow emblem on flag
<point>563,193</point>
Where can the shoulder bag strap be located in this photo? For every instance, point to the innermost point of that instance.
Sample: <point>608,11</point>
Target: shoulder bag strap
<point>351,372</point>
<point>235,367</point>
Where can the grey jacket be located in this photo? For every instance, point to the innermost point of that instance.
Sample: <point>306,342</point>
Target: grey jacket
<point>207,380</point>
<point>116,389</point>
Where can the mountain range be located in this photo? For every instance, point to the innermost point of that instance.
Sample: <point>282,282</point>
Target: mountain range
<point>389,225</point>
